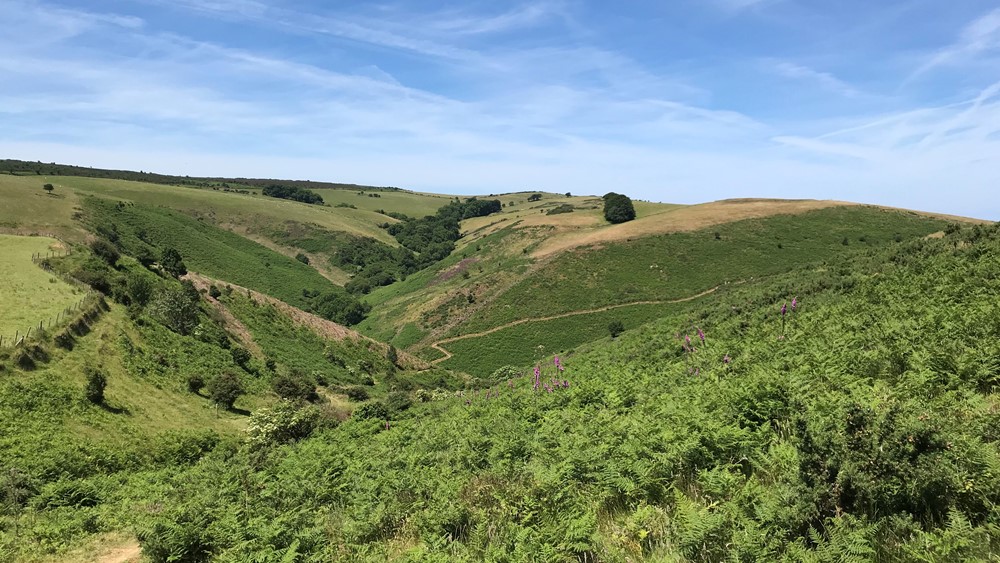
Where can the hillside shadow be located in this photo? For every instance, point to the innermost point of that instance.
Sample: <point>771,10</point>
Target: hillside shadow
<point>116,410</point>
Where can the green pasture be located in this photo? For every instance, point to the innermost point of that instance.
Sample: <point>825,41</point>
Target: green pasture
<point>29,294</point>
<point>26,208</point>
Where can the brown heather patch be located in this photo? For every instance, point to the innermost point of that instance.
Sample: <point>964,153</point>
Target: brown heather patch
<point>455,270</point>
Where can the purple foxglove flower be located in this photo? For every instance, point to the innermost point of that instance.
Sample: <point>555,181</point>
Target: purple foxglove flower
<point>387,425</point>
<point>701,335</point>
<point>795,302</point>
<point>687,340</point>
<point>726,359</point>
<point>784,309</point>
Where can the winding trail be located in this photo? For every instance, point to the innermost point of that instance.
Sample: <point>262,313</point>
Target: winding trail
<point>447,355</point>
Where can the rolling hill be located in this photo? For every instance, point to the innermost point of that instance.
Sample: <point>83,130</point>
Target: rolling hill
<point>759,379</point>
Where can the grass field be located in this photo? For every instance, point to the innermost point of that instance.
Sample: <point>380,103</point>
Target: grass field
<point>25,208</point>
<point>231,209</point>
<point>398,201</point>
<point>29,294</point>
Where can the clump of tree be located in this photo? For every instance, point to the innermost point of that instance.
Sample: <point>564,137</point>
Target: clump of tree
<point>618,208</point>
<point>339,307</point>
<point>293,193</point>
<point>48,188</point>
<point>433,237</point>
<point>535,197</point>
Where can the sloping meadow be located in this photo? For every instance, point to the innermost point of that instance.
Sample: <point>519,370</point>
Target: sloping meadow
<point>843,414</point>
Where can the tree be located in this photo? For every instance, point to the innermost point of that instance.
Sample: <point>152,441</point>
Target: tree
<point>172,263</point>
<point>176,310</point>
<point>618,208</point>
<point>48,188</point>
<point>225,389</point>
<point>138,288</point>
<point>294,387</point>
<point>616,328</point>
<point>392,355</point>
<point>534,197</point>
<point>195,383</point>
<point>96,382</point>
<point>302,258</point>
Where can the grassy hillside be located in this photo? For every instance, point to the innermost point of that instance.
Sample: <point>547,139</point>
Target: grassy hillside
<point>25,208</point>
<point>206,249</point>
<point>28,294</point>
<point>858,425</point>
<point>494,281</point>
<point>63,456</point>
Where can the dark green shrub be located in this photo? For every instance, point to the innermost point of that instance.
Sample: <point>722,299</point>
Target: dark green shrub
<point>225,389</point>
<point>214,292</point>
<point>357,393</point>
<point>171,262</point>
<point>302,258</point>
<point>398,401</point>
<point>74,494</point>
<point>105,251</point>
<point>96,382</point>
<point>615,328</point>
<point>138,288</point>
<point>373,410</point>
<point>618,208</point>
<point>294,387</point>
<point>241,356</point>
<point>195,383</point>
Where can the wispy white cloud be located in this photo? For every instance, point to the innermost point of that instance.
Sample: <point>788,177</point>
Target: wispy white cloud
<point>449,107</point>
<point>524,16</point>
<point>824,79</point>
<point>978,36</point>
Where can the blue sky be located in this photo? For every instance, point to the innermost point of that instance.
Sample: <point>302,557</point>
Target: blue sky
<point>889,102</point>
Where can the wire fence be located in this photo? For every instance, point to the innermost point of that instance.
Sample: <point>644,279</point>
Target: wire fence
<point>21,336</point>
<point>54,321</point>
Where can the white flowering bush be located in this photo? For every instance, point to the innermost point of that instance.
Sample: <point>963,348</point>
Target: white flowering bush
<point>285,422</point>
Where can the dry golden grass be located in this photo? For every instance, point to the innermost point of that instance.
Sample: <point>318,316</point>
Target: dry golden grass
<point>654,221</point>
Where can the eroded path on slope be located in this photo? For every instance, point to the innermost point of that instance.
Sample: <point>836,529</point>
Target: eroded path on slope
<point>447,355</point>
